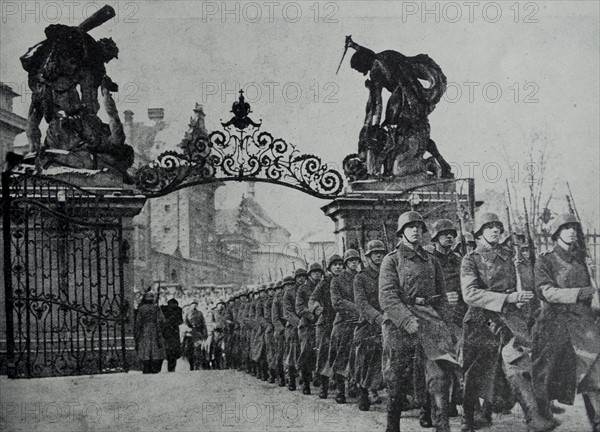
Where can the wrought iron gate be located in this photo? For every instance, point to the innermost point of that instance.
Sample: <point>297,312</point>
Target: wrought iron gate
<point>64,296</point>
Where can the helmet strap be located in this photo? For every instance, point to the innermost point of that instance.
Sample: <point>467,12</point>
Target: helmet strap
<point>408,241</point>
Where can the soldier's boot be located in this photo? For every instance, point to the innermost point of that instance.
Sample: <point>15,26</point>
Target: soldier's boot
<point>468,418</point>
<point>265,370</point>
<point>324,387</point>
<point>555,409</point>
<point>352,389</point>
<point>340,383</point>
<point>281,376</point>
<point>316,380</point>
<point>272,376</point>
<point>291,379</point>
<point>592,409</point>
<point>439,397</point>
<point>523,391</point>
<point>483,415</point>
<point>306,382</point>
<point>374,397</point>
<point>425,413</point>
<point>363,400</point>
<point>394,412</point>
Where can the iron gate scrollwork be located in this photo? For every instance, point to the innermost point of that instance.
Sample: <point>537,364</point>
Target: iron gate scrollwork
<point>240,152</point>
<point>64,296</point>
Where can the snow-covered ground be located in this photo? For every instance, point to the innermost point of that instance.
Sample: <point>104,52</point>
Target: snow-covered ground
<point>200,401</point>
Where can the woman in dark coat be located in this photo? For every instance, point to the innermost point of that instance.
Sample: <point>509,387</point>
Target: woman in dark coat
<point>150,345</point>
<point>173,319</point>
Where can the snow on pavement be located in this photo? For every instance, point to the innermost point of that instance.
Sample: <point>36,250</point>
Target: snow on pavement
<point>205,401</point>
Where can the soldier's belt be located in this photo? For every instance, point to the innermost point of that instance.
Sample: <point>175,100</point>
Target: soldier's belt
<point>423,301</point>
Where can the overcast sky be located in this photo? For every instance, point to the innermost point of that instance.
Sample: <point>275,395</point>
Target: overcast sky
<point>517,73</point>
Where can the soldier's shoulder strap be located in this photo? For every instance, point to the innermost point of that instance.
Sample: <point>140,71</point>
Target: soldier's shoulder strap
<point>429,249</point>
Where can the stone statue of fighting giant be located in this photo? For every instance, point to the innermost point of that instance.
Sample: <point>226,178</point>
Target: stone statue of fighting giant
<point>396,146</point>
<point>65,72</point>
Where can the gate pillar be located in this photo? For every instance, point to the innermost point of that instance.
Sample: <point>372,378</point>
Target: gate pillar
<point>369,209</point>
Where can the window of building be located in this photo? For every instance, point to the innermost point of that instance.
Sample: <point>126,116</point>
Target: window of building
<point>167,208</point>
<point>167,229</point>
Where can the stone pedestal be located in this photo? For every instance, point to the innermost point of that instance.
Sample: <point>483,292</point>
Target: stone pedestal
<point>369,209</point>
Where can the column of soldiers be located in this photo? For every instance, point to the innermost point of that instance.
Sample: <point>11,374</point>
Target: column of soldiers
<point>435,328</point>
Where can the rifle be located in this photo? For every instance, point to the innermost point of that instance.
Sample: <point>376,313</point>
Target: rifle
<point>361,245</point>
<point>385,234</point>
<point>530,242</point>
<point>343,245</point>
<point>463,243</point>
<point>517,257</point>
<point>270,277</point>
<point>324,261</point>
<point>588,260</point>
<point>281,271</point>
<point>510,206</point>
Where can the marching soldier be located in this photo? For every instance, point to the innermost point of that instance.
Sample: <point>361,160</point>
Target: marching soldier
<point>367,335</point>
<point>218,335</point>
<point>291,326</point>
<point>412,295</point>
<point>279,328</point>
<point>245,331</point>
<point>346,317</point>
<point>229,316</point>
<point>495,330</point>
<point>566,337</point>
<point>443,237</point>
<point>320,305</point>
<point>258,348</point>
<point>306,329</point>
<point>269,333</point>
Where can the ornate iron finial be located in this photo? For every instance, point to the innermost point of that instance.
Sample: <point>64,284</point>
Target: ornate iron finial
<point>240,110</point>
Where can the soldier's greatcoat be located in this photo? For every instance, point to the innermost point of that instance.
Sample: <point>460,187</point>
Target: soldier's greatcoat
<point>496,338</point>
<point>306,328</point>
<point>566,338</point>
<point>367,335</point>
<point>292,347</point>
<point>346,317</point>
<point>268,329</point>
<point>450,264</point>
<point>407,275</point>
<point>257,347</point>
<point>321,297</point>
<point>279,325</point>
<point>149,321</point>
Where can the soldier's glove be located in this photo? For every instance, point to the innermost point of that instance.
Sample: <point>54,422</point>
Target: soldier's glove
<point>520,297</point>
<point>586,293</point>
<point>411,325</point>
<point>379,320</point>
<point>318,310</point>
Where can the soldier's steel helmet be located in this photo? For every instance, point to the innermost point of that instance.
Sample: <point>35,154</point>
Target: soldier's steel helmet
<point>315,267</point>
<point>300,272</point>
<point>288,280</point>
<point>351,254</point>
<point>442,225</point>
<point>279,283</point>
<point>375,246</point>
<point>562,220</point>
<point>486,219</point>
<point>408,217</point>
<point>333,259</point>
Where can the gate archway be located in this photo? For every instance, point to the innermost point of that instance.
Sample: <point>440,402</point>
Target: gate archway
<point>240,152</point>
